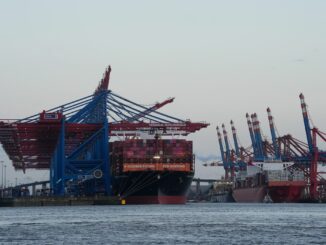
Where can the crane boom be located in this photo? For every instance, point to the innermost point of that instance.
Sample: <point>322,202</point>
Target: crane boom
<point>306,122</point>
<point>151,109</point>
<point>235,139</point>
<point>225,164</point>
<point>251,132</point>
<point>272,128</point>
<point>104,83</point>
<point>258,138</point>
<point>228,151</point>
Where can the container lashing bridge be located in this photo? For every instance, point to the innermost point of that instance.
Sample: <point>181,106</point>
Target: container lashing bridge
<point>72,140</point>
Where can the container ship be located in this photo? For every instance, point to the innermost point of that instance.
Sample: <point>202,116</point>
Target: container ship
<point>269,182</point>
<point>152,171</point>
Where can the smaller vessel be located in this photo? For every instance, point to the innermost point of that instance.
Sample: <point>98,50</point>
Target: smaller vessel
<point>272,181</point>
<point>267,199</point>
<point>221,191</point>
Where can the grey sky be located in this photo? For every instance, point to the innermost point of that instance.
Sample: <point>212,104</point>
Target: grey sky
<point>220,59</point>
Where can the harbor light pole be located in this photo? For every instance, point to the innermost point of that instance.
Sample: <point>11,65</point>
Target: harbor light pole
<point>5,177</point>
<point>1,173</point>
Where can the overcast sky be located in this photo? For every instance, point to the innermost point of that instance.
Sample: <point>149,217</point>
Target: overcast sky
<point>220,59</point>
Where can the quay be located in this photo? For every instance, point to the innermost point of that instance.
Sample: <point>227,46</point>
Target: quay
<point>58,201</point>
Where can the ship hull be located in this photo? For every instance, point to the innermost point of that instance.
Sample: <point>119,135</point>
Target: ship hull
<point>278,192</point>
<point>286,191</point>
<point>156,199</point>
<point>153,187</point>
<point>249,195</point>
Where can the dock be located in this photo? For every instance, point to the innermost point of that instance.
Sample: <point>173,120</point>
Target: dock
<point>58,201</point>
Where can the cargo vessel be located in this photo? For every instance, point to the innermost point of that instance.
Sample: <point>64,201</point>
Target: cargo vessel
<point>269,182</point>
<point>152,171</point>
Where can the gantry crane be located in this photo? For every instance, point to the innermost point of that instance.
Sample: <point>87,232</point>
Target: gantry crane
<point>72,140</point>
<point>306,156</point>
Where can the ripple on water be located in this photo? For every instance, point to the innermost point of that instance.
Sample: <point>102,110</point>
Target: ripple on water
<point>202,223</point>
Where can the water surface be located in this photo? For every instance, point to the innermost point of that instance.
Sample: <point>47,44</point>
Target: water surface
<point>197,223</point>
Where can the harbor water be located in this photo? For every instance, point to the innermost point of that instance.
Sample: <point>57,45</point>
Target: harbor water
<point>193,223</point>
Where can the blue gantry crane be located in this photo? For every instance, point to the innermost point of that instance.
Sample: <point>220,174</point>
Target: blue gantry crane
<point>72,140</point>
<point>230,161</point>
<point>273,134</point>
